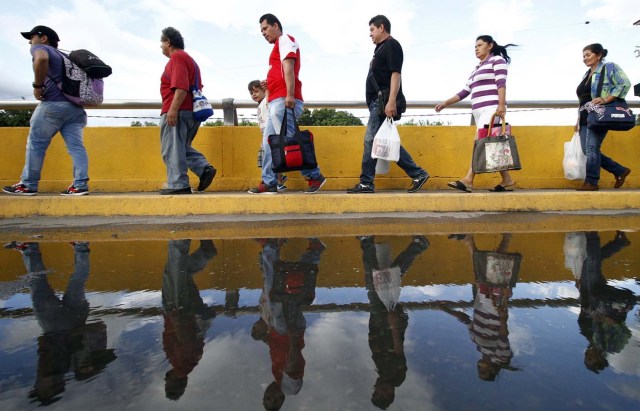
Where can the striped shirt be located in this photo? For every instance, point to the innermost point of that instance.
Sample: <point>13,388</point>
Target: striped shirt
<point>485,331</point>
<point>484,82</point>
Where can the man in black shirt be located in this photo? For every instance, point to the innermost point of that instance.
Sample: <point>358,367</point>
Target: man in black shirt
<point>384,76</point>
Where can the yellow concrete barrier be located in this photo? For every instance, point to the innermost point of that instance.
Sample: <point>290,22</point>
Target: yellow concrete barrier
<point>127,159</point>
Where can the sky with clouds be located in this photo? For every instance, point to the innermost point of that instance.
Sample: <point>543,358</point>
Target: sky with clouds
<point>224,37</point>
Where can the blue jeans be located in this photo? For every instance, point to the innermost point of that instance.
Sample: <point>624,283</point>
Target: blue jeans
<point>369,164</point>
<point>274,122</point>
<point>591,141</point>
<point>178,155</point>
<point>48,118</point>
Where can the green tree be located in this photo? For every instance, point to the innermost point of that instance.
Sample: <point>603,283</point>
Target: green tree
<point>425,122</point>
<point>15,118</point>
<point>328,117</point>
<point>145,124</point>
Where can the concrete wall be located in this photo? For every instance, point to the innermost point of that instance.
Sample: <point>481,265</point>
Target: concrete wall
<point>126,159</point>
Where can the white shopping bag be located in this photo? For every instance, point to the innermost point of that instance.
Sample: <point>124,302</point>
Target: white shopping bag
<point>574,162</point>
<point>386,143</point>
<point>386,279</point>
<point>575,252</point>
<point>382,166</point>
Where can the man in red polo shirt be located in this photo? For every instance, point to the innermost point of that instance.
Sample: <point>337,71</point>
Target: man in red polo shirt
<point>284,90</point>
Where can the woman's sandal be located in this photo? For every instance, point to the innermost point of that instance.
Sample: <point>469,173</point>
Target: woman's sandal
<point>459,185</point>
<point>501,189</point>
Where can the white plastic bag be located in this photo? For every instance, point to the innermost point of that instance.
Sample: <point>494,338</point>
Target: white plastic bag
<point>575,252</point>
<point>382,166</point>
<point>386,143</point>
<point>574,162</point>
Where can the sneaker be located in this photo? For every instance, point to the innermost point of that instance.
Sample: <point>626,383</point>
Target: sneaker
<point>19,189</point>
<point>263,189</point>
<point>175,191</point>
<point>361,189</point>
<point>72,191</point>
<point>316,245</point>
<point>281,180</point>
<point>417,183</point>
<point>206,178</point>
<point>14,245</point>
<point>315,184</point>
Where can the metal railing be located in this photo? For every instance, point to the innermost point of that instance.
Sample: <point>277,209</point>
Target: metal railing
<point>229,106</point>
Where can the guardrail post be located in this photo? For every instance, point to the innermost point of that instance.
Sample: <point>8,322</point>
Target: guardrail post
<point>229,112</point>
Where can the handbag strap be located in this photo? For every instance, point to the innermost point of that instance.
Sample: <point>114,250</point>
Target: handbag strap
<point>502,120</point>
<point>283,130</point>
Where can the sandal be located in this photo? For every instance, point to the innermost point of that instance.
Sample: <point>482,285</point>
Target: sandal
<point>459,185</point>
<point>501,189</point>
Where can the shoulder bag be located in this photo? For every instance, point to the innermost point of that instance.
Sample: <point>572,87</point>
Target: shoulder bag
<point>613,116</point>
<point>202,109</point>
<point>292,153</point>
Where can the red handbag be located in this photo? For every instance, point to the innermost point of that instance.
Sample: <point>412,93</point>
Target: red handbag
<point>292,153</point>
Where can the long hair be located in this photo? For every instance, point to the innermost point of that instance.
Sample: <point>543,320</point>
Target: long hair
<point>497,49</point>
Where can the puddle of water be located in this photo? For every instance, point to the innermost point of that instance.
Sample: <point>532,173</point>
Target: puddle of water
<point>484,321</point>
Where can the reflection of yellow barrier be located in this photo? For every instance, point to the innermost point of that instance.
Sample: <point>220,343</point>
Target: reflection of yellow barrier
<point>127,159</point>
<point>136,265</point>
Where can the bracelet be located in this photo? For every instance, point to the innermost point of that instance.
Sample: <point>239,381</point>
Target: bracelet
<point>37,85</point>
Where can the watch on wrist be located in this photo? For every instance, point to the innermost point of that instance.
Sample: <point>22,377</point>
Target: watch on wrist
<point>37,85</point>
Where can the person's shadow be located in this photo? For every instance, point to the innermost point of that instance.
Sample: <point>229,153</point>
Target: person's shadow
<point>496,273</point>
<point>388,320</point>
<point>67,342</point>
<point>186,317</point>
<point>603,307</point>
<point>288,286</point>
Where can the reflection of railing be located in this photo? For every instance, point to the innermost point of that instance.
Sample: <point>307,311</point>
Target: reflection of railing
<point>319,308</point>
<point>229,106</point>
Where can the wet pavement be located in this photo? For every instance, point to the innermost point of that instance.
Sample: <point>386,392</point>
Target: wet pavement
<point>437,312</point>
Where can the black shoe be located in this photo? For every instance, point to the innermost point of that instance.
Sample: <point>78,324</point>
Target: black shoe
<point>171,191</point>
<point>206,178</point>
<point>418,182</point>
<point>360,189</point>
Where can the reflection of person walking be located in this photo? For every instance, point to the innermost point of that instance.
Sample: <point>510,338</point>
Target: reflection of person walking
<point>178,128</point>
<point>186,317</point>
<point>287,286</point>
<point>384,74</point>
<point>388,320</point>
<point>67,341</point>
<point>603,308</point>
<point>496,273</point>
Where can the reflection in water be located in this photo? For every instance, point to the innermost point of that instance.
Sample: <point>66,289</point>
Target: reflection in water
<point>68,343</point>
<point>316,304</point>
<point>186,317</point>
<point>387,318</point>
<point>603,308</point>
<point>496,273</point>
<point>288,286</point>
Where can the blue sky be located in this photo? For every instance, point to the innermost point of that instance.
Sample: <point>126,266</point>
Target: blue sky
<point>224,37</point>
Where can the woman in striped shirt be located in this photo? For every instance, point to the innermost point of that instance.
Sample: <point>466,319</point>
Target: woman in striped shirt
<point>487,87</point>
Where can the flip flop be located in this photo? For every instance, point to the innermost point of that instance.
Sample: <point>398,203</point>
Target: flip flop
<point>459,185</point>
<point>500,188</point>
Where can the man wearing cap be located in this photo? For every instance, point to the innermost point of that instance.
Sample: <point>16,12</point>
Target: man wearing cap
<point>53,114</point>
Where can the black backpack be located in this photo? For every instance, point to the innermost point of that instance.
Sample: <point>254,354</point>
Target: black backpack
<point>90,63</point>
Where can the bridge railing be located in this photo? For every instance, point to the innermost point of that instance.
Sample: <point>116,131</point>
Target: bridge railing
<point>229,106</point>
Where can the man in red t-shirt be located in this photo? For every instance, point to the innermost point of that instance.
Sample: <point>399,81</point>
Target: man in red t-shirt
<point>178,127</point>
<point>284,91</point>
